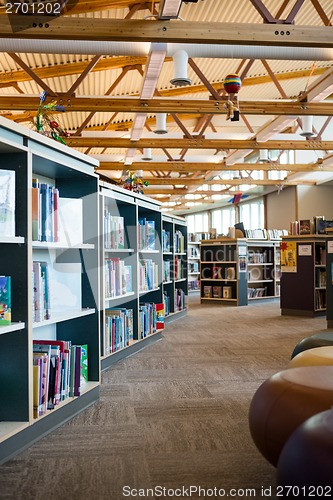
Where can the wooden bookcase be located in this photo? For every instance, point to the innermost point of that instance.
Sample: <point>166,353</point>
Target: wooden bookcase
<point>175,280</point>
<point>236,271</point>
<point>73,268</point>
<point>303,286</point>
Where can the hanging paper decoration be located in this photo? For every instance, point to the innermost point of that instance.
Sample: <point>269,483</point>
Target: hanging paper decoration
<point>232,84</point>
<point>237,198</point>
<point>46,123</point>
<point>134,183</point>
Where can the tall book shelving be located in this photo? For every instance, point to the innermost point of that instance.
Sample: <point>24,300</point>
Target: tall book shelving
<point>149,245</point>
<point>193,256</point>
<point>237,271</point>
<point>303,278</point>
<point>175,266</point>
<point>72,293</point>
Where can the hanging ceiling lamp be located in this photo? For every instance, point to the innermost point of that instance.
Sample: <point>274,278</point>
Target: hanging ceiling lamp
<point>180,60</point>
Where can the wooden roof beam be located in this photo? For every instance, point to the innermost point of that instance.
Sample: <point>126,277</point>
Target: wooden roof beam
<point>160,105</point>
<point>130,30</point>
<point>176,143</point>
<point>186,167</point>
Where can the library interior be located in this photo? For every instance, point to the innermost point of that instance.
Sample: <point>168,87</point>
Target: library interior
<point>166,243</point>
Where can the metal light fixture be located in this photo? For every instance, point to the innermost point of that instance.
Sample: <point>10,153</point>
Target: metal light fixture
<point>263,155</point>
<point>169,9</point>
<point>307,122</point>
<point>161,124</point>
<point>147,154</point>
<point>180,61</point>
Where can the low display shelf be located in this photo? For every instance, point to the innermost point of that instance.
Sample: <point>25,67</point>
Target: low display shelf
<point>237,270</point>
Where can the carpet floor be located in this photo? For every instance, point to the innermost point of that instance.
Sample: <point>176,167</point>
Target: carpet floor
<point>172,416</point>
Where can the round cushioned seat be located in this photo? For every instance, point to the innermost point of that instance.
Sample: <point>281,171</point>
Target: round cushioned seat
<point>313,357</point>
<point>286,400</point>
<point>307,457</point>
<point>317,340</point>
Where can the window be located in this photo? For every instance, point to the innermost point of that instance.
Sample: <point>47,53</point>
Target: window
<point>252,214</point>
<point>197,223</point>
<point>222,219</point>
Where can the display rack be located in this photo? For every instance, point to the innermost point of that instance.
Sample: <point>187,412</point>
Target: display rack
<point>73,281</point>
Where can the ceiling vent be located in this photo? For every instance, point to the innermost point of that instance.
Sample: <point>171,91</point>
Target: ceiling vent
<point>180,60</point>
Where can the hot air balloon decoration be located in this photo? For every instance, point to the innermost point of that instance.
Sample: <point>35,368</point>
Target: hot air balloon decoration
<point>46,123</point>
<point>232,85</point>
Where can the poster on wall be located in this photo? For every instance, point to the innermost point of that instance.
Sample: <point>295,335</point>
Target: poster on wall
<point>288,257</point>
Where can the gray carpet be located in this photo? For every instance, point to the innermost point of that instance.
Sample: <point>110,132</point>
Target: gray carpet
<point>173,415</point>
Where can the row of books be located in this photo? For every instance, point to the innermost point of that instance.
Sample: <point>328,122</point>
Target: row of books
<point>114,232</point>
<point>257,257</point>
<point>317,225</point>
<point>179,269</point>
<point>320,257</point>
<point>166,241</point>
<point>45,204</point>
<point>118,277</point>
<point>253,293</point>
<point>60,371</point>
<point>217,292</point>
<point>320,278</point>
<point>264,234</point>
<point>7,203</point>
<point>193,252</point>
<point>118,330</point>
<point>178,242</point>
<point>194,267</point>
<point>148,275</point>
<point>41,291</point>
<point>5,300</point>
<point>194,285</point>
<point>166,302</point>
<point>146,234</point>
<point>166,270</point>
<point>179,299</point>
<point>320,299</point>
<point>147,319</point>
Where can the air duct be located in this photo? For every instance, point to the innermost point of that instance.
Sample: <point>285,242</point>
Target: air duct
<point>180,60</point>
<point>161,127</point>
<point>147,155</point>
<point>142,49</point>
<point>307,121</point>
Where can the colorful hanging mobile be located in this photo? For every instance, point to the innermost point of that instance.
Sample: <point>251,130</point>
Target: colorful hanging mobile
<point>46,123</point>
<point>232,85</point>
<point>134,183</point>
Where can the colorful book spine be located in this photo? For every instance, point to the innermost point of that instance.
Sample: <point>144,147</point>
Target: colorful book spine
<point>5,301</point>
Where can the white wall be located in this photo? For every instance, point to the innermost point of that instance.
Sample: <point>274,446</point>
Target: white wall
<point>281,208</point>
<point>315,200</point>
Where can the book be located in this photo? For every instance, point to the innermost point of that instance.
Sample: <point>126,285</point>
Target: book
<point>5,301</point>
<point>7,203</point>
<point>207,291</point>
<point>84,365</point>
<point>160,316</point>
<point>227,292</point>
<point>217,292</point>
<point>304,226</point>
